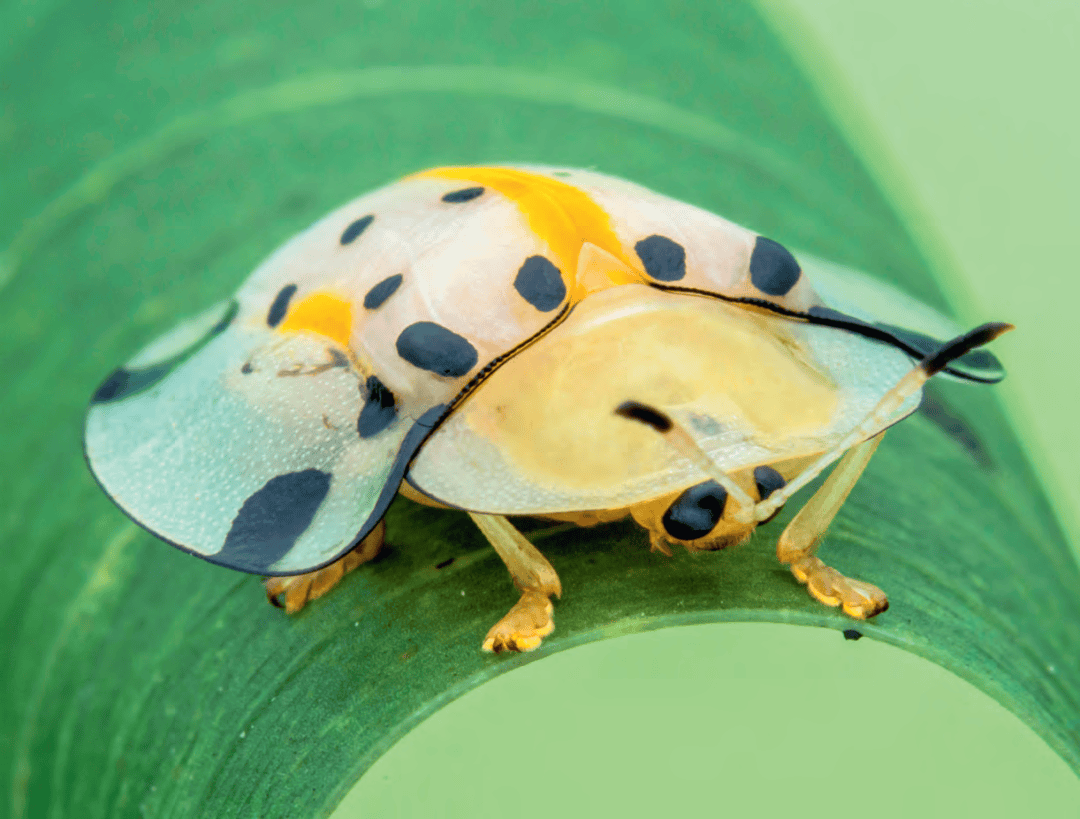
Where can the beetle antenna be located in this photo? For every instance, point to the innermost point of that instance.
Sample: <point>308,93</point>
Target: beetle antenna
<point>677,436</point>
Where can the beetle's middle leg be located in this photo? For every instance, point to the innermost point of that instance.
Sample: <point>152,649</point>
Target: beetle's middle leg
<point>800,540</point>
<point>529,621</point>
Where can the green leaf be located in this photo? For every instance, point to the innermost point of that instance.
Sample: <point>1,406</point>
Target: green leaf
<point>152,158</point>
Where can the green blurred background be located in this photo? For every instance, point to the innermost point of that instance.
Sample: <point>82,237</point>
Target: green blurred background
<point>965,111</point>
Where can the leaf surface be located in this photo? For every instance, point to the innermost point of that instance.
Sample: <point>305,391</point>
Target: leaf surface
<point>153,157</point>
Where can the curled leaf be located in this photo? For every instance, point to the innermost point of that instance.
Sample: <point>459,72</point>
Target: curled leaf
<point>141,681</point>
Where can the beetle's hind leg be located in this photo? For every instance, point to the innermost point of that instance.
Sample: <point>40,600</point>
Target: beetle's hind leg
<point>529,621</point>
<point>297,589</point>
<point>803,534</point>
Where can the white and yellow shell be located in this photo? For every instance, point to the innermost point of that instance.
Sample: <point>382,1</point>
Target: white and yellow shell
<point>470,330</point>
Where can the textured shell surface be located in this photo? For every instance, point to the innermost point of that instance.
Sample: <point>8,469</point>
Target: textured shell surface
<point>470,329</point>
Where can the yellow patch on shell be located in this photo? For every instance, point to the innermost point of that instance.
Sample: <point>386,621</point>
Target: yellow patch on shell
<point>322,313</point>
<point>576,228</point>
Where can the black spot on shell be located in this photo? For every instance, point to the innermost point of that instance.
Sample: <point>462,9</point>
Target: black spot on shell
<point>433,347</point>
<point>356,228</point>
<point>463,195</point>
<point>768,480</point>
<point>280,305</point>
<point>773,269</point>
<point>225,320</point>
<point>379,410</point>
<point>636,411</point>
<point>541,284</point>
<point>112,387</point>
<point>124,383</point>
<point>852,634</point>
<point>273,519</point>
<point>664,259</point>
<point>696,511</point>
<point>382,291</point>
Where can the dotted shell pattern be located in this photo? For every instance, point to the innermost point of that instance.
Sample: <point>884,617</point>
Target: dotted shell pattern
<point>270,433</point>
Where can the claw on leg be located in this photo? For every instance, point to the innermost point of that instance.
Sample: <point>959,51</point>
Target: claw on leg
<point>529,621</point>
<point>658,543</point>
<point>800,540</point>
<point>859,600</point>
<point>523,627</point>
<point>299,589</point>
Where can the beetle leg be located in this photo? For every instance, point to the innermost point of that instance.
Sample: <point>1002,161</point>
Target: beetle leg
<point>658,542</point>
<point>300,588</point>
<point>800,540</point>
<point>529,621</point>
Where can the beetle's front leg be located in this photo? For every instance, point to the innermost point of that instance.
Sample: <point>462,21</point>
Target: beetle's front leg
<point>298,589</point>
<point>800,540</point>
<point>529,621</point>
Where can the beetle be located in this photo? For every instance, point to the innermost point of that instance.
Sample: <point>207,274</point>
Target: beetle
<point>485,339</point>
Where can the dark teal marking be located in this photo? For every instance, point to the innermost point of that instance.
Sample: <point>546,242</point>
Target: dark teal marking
<point>379,409</point>
<point>382,291</point>
<point>125,382</point>
<point>273,519</point>
<point>773,269</point>
<point>664,259</point>
<point>432,347</point>
<point>356,228</point>
<point>281,305</point>
<point>541,284</point>
<point>463,195</point>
